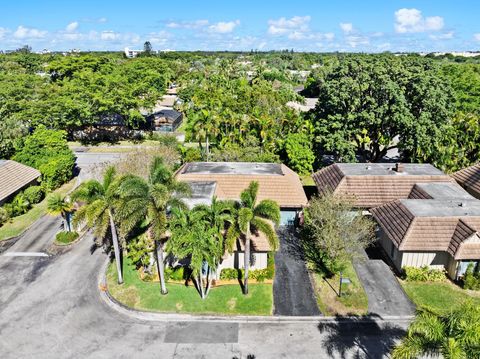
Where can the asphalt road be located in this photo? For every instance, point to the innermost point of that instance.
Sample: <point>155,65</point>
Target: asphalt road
<point>292,291</point>
<point>50,307</point>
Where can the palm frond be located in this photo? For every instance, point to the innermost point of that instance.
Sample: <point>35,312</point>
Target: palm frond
<point>109,177</point>
<point>249,196</point>
<point>266,228</point>
<point>268,209</point>
<point>245,215</point>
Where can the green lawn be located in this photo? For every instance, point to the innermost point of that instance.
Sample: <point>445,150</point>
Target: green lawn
<point>19,224</point>
<point>438,296</point>
<point>227,299</point>
<point>354,300</point>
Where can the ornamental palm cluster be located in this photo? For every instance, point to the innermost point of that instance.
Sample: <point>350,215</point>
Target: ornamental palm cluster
<point>452,335</point>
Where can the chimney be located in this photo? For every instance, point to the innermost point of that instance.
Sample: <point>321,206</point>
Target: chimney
<point>398,167</point>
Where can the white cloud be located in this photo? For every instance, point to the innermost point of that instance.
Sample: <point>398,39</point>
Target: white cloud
<point>476,37</point>
<point>109,35</point>
<point>412,20</point>
<point>28,33</point>
<point>224,27</point>
<point>282,26</point>
<point>72,26</point>
<point>3,32</point>
<point>444,36</point>
<point>358,39</point>
<point>196,24</point>
<point>102,20</point>
<point>346,27</point>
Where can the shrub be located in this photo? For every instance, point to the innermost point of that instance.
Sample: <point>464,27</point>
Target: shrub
<point>57,171</point>
<point>229,274</point>
<point>18,206</point>
<point>66,237</point>
<point>4,216</point>
<point>423,274</point>
<point>175,274</point>
<point>34,194</point>
<point>471,278</point>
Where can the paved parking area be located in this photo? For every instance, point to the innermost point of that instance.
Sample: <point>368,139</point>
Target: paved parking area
<point>292,291</point>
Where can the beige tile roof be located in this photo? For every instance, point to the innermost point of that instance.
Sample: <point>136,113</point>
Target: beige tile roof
<point>14,176</point>
<point>286,189</point>
<point>455,234</point>
<point>469,178</point>
<point>375,187</point>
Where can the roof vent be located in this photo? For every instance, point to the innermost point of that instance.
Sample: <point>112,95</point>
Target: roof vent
<point>398,167</point>
<point>462,204</point>
<point>368,168</point>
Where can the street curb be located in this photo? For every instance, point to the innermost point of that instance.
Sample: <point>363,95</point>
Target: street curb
<point>175,317</point>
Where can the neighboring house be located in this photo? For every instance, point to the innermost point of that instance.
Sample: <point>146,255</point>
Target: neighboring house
<point>130,53</point>
<point>469,178</point>
<point>310,104</point>
<point>226,180</point>
<point>165,120</point>
<point>438,226</point>
<point>14,177</point>
<point>374,184</point>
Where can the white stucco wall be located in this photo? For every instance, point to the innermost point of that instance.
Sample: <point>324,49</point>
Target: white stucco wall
<point>235,260</point>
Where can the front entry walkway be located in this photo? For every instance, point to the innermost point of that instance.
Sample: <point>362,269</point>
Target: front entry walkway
<point>293,294</point>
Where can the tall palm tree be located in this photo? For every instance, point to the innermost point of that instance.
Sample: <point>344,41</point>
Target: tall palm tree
<point>453,335</point>
<point>58,205</point>
<point>151,199</point>
<point>218,215</point>
<point>194,239</point>
<point>101,200</point>
<point>254,217</point>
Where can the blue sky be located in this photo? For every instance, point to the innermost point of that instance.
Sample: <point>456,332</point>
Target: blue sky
<point>349,25</point>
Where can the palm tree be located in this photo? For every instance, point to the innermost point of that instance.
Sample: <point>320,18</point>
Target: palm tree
<point>151,200</point>
<point>101,200</point>
<point>58,205</point>
<point>194,239</point>
<point>253,217</point>
<point>453,335</point>
<point>218,215</point>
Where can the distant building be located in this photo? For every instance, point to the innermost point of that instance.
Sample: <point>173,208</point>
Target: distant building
<point>14,177</point>
<point>132,53</point>
<point>165,120</point>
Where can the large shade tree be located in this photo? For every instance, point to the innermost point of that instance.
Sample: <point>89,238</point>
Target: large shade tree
<point>150,200</point>
<point>100,201</point>
<point>254,216</point>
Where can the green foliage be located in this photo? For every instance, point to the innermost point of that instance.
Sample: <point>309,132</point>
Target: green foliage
<point>471,278</point>
<point>455,334</point>
<point>66,237</point>
<point>260,275</point>
<point>334,233</point>
<point>231,274</point>
<point>47,150</point>
<point>139,250</point>
<point>175,274</point>
<point>366,102</point>
<point>250,151</point>
<point>191,154</point>
<point>298,147</point>
<point>4,216</point>
<point>18,206</point>
<point>34,194</point>
<point>423,274</point>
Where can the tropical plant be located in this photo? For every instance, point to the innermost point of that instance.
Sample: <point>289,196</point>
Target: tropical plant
<point>100,203</point>
<point>253,217</point>
<point>193,239</point>
<point>63,206</point>
<point>34,194</point>
<point>453,335</point>
<point>151,199</point>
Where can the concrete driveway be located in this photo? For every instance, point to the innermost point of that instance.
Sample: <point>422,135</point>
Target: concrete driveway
<point>50,307</point>
<point>292,291</point>
<point>385,295</point>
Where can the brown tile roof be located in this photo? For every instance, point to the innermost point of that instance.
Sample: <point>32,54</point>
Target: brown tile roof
<point>282,187</point>
<point>14,176</point>
<point>469,178</point>
<point>375,184</point>
<point>412,231</point>
<point>419,193</point>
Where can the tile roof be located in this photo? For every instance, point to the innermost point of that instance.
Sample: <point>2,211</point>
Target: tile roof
<point>276,182</point>
<point>376,183</point>
<point>469,178</point>
<point>449,228</point>
<point>14,176</point>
